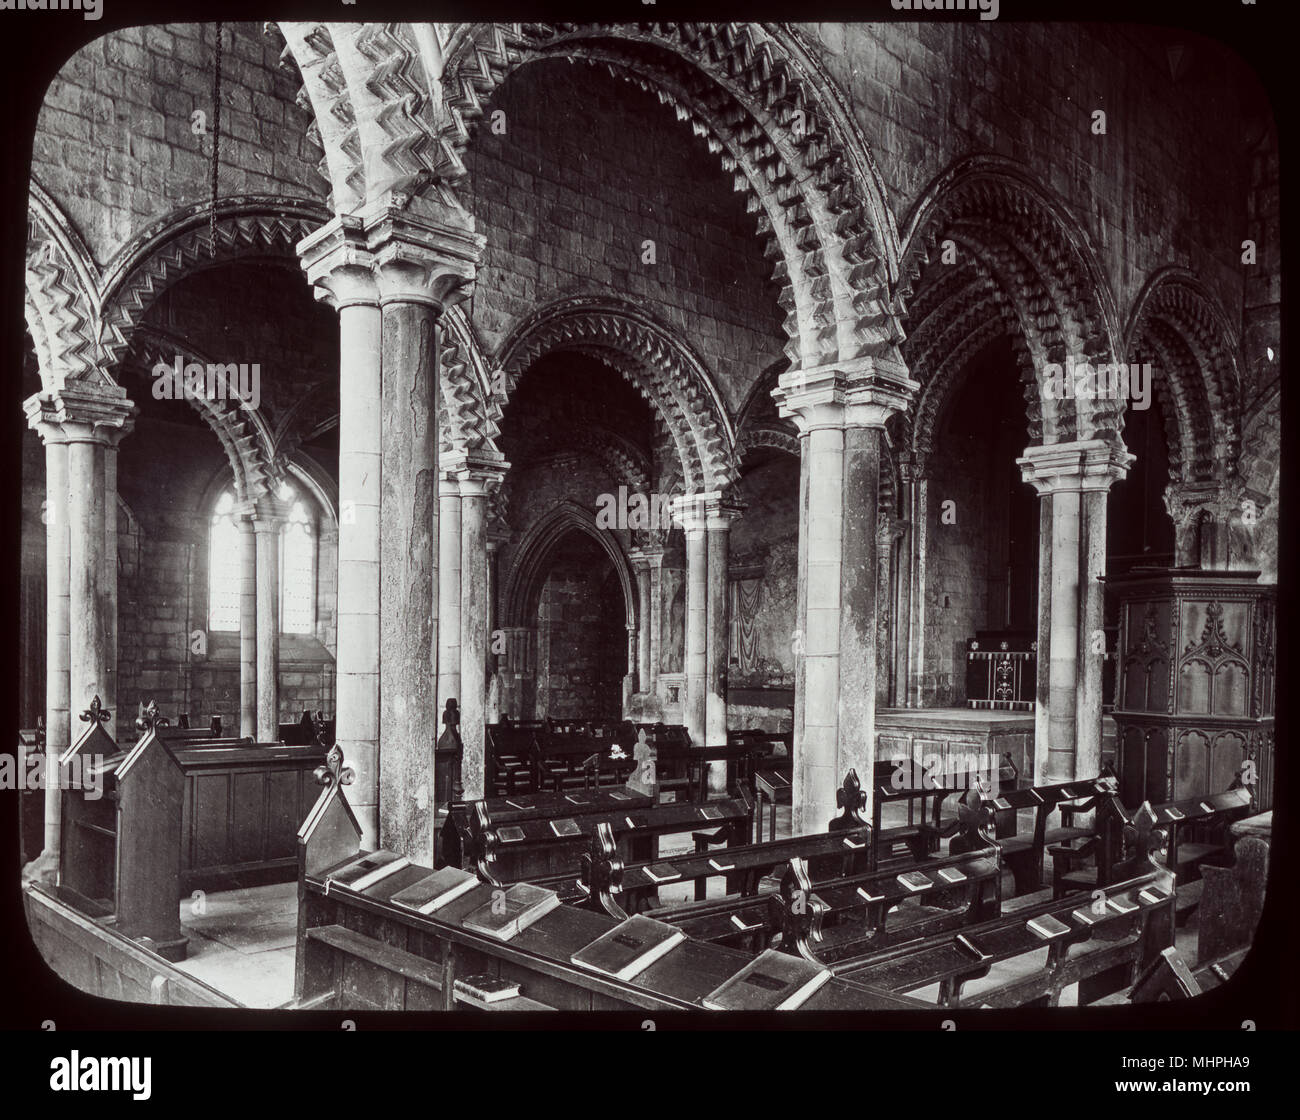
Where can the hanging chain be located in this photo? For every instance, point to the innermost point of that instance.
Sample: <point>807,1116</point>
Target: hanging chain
<point>216,137</point>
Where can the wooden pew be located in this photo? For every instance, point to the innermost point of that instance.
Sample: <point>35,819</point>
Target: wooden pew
<point>845,918</point>
<point>460,838</point>
<point>619,889</point>
<point>1207,818</point>
<point>1169,977</point>
<point>312,729</point>
<point>905,780</point>
<point>754,920</point>
<point>357,950</point>
<point>121,836</point>
<point>510,756</point>
<point>1135,917</point>
<point>1023,854</point>
<point>530,849</point>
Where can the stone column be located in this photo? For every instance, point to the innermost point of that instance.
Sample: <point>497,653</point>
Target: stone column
<point>266,528</point>
<point>642,569</point>
<point>1072,480</point>
<point>422,266</point>
<point>692,518</point>
<point>477,480</point>
<point>57,651</point>
<point>840,411</point>
<point>719,517</point>
<point>79,423</point>
<point>339,264</point>
<point>247,627</point>
<point>449,596</point>
<point>113,437</point>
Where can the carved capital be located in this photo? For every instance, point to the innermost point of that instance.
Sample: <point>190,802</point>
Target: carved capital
<point>78,413</point>
<point>475,474</point>
<point>1079,466</point>
<point>862,393</point>
<point>339,265</point>
<point>421,259</point>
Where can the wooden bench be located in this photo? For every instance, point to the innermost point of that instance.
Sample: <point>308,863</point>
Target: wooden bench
<point>1100,948</point>
<point>1169,977</point>
<point>844,918</point>
<point>908,781</point>
<point>360,951</point>
<point>752,920</point>
<point>510,756</point>
<point>1207,819</point>
<point>545,839</point>
<point>312,728</point>
<point>460,836</point>
<point>620,889</point>
<point>1023,854</point>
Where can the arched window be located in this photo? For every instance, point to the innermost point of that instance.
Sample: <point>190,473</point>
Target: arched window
<point>298,556</point>
<point>297,568</point>
<point>223,567</point>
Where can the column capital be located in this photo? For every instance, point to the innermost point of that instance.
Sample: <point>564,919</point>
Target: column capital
<point>339,264</point>
<point>476,475</point>
<point>860,393</point>
<point>82,414</point>
<point>267,513</point>
<point>704,511</point>
<point>646,558</point>
<point>1079,466</point>
<point>419,259</point>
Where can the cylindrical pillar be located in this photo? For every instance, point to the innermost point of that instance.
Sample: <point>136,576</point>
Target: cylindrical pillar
<point>88,629</point>
<point>858,604</point>
<point>696,652</point>
<point>266,529</point>
<point>474,620</point>
<point>247,628</point>
<point>643,628</point>
<point>57,639</point>
<point>450,549</point>
<point>408,522</point>
<point>817,763</point>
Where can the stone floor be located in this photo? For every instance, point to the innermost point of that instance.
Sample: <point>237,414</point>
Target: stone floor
<point>242,941</point>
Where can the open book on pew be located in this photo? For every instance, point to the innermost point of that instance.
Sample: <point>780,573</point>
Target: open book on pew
<point>511,911</point>
<point>772,981</point>
<point>367,870</point>
<point>630,947</point>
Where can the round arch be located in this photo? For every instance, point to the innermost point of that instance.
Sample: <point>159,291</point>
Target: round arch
<point>1021,258</point>
<point>662,367</point>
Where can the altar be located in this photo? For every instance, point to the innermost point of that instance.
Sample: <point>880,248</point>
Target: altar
<point>919,733</point>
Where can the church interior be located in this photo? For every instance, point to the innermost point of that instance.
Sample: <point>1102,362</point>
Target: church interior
<point>664,516</point>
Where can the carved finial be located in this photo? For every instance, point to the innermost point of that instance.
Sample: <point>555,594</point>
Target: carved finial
<point>451,714</point>
<point>1141,837</point>
<point>850,795</point>
<point>150,718</point>
<point>96,713</point>
<point>332,771</point>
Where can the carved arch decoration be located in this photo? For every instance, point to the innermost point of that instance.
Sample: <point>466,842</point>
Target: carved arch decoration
<point>529,567</point>
<point>1021,239</point>
<point>61,294</point>
<point>243,432</point>
<point>395,106</point>
<point>660,366</point>
<point>1176,322</point>
<point>247,227</point>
